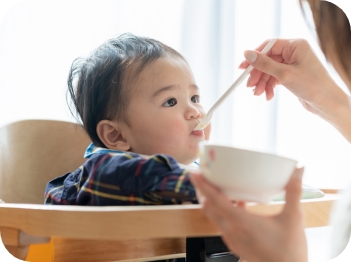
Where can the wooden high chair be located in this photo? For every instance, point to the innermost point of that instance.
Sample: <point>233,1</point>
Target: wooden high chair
<point>32,152</point>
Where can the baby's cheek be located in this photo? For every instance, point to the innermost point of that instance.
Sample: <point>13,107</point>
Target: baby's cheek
<point>178,127</point>
<point>175,130</point>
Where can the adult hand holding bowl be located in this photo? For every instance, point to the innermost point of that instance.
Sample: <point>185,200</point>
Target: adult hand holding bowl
<point>244,174</point>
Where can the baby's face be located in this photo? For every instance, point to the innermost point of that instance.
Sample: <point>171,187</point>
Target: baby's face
<point>164,109</point>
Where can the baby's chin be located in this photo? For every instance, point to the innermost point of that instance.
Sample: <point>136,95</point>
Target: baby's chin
<point>186,160</point>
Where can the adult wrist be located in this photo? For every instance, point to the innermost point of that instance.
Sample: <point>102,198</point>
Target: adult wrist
<point>338,112</point>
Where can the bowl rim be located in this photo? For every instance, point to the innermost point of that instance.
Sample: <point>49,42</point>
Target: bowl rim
<point>205,143</point>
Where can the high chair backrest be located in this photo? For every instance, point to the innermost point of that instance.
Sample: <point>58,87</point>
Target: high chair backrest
<point>32,152</point>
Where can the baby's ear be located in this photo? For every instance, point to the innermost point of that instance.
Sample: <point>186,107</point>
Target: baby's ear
<point>110,135</point>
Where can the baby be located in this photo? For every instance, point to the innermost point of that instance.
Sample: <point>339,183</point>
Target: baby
<point>138,101</point>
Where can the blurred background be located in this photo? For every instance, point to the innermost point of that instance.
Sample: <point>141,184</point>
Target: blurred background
<point>40,39</point>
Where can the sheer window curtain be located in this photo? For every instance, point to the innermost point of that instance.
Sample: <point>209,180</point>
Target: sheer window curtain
<point>40,39</point>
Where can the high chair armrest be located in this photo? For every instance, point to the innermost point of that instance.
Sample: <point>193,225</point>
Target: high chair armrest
<point>117,223</point>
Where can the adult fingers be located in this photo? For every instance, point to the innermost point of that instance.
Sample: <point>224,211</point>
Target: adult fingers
<point>255,76</point>
<point>261,85</point>
<point>203,189</point>
<point>271,83</point>
<point>216,200</point>
<point>265,64</point>
<point>269,93</point>
<point>278,58</point>
<point>208,191</point>
<point>244,64</point>
<point>275,53</point>
<point>216,217</point>
<point>199,196</point>
<point>293,193</point>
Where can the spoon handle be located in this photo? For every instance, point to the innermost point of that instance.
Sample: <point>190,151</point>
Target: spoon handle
<point>207,119</point>
<point>240,78</point>
<point>231,88</point>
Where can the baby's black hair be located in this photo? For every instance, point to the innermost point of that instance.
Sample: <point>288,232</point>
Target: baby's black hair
<point>99,85</point>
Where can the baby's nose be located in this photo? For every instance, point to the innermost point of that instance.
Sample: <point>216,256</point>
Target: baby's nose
<point>193,113</point>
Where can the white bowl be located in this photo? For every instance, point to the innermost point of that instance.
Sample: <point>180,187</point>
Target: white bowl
<point>244,174</point>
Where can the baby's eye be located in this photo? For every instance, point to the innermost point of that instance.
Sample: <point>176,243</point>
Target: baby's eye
<point>195,99</point>
<point>170,102</point>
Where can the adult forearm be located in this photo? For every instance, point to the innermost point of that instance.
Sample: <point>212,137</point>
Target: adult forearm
<point>338,113</point>
<point>342,121</point>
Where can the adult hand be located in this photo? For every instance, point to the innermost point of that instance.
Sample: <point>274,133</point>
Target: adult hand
<point>293,64</point>
<point>253,237</point>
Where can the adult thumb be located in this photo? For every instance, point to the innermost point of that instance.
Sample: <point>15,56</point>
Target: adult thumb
<point>265,64</point>
<point>293,192</point>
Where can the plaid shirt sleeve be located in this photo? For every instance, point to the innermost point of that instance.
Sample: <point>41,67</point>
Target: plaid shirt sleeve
<point>123,179</point>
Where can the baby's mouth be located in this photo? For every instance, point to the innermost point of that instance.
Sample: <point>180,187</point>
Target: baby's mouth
<point>198,133</point>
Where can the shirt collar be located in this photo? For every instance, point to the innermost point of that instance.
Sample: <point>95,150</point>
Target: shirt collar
<point>92,149</point>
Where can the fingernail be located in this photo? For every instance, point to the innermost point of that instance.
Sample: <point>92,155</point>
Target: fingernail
<point>250,56</point>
